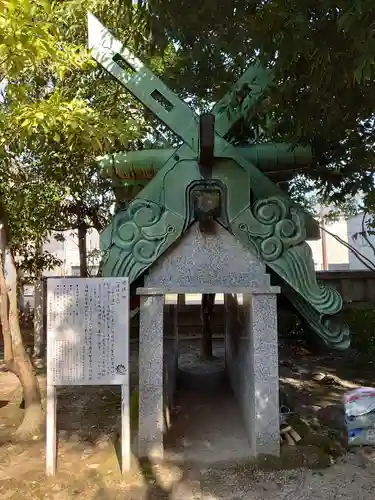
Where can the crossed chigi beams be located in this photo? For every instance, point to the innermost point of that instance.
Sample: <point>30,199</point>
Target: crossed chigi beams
<point>203,136</point>
<point>204,145</point>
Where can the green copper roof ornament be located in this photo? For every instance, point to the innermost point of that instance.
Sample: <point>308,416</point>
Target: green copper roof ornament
<point>206,179</point>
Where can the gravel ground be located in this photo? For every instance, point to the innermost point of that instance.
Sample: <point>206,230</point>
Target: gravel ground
<point>352,477</point>
<point>89,471</point>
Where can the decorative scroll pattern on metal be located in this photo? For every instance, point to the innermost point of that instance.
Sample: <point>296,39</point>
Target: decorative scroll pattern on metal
<point>331,329</point>
<point>252,207</point>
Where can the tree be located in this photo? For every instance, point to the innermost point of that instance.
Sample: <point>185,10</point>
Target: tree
<point>39,119</point>
<point>23,45</point>
<point>321,55</point>
<point>90,198</point>
<point>21,233</point>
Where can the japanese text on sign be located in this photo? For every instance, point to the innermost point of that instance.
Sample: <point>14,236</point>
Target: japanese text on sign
<point>87,331</point>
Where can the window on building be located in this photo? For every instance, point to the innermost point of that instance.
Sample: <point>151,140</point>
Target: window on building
<point>363,242</point>
<point>359,241</point>
<point>93,270</point>
<point>75,271</point>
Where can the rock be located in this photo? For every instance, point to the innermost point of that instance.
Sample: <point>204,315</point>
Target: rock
<point>93,466</point>
<point>331,379</point>
<point>315,408</point>
<point>287,364</point>
<point>38,363</point>
<point>167,475</point>
<point>318,376</point>
<point>331,416</point>
<point>75,438</point>
<point>103,442</point>
<point>63,435</point>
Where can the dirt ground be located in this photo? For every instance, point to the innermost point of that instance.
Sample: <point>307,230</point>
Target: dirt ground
<point>318,468</point>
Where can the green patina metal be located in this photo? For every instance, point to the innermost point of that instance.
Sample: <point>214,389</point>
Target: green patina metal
<point>139,167</point>
<point>235,182</point>
<point>331,329</point>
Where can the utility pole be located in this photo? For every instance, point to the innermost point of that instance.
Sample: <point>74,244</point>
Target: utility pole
<point>324,242</point>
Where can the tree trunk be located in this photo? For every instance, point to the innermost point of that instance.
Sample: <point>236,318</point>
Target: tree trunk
<point>21,365</point>
<point>4,312</point>
<point>15,356</point>
<point>82,233</point>
<point>39,334</point>
<point>208,301</point>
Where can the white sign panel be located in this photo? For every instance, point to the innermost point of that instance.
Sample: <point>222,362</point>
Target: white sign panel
<point>87,331</point>
<point>87,344</point>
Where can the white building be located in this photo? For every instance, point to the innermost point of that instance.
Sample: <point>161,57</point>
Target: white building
<point>67,252</point>
<point>366,246</point>
<point>331,255</point>
<point>328,253</point>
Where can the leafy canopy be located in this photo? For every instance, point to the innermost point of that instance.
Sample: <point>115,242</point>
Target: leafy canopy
<point>60,110</point>
<point>52,123</point>
<point>322,55</point>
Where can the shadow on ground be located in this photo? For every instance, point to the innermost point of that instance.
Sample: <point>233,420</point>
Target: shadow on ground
<point>88,467</point>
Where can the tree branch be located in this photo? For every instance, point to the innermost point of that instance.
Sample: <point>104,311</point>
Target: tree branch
<point>362,258</point>
<point>4,301</point>
<point>4,60</point>
<point>2,78</point>
<point>364,232</point>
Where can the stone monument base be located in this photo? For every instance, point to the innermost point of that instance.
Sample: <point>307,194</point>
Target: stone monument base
<point>212,263</point>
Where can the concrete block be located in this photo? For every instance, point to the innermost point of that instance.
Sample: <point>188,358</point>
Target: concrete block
<point>207,259</point>
<point>151,377</point>
<point>151,421</point>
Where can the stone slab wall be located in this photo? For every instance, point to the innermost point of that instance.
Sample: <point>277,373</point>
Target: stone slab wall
<point>170,372</point>
<point>252,365</point>
<point>233,334</point>
<point>357,288</point>
<point>206,260</point>
<point>213,263</point>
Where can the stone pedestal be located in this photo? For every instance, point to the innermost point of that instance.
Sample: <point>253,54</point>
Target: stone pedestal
<point>214,263</point>
<point>252,363</point>
<point>174,358</point>
<point>151,376</point>
<point>261,373</point>
<point>171,364</point>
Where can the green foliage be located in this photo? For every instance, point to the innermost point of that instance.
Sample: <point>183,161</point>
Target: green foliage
<point>29,39</point>
<point>34,57</point>
<point>53,122</point>
<point>289,323</point>
<point>59,110</point>
<point>362,326</point>
<point>304,191</point>
<point>32,263</point>
<point>321,53</point>
<point>28,202</point>
<point>71,122</point>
